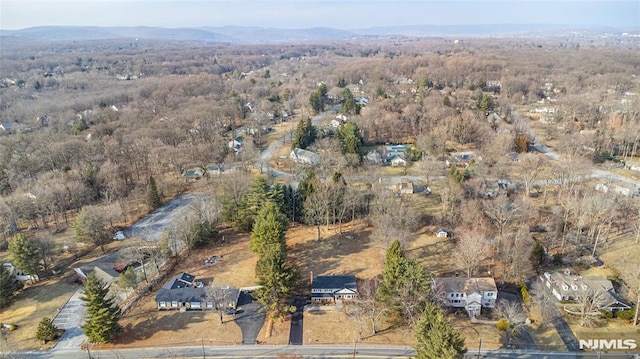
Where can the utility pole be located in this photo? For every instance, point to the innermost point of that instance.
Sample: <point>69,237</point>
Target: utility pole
<point>204,356</point>
<point>635,318</point>
<point>479,347</point>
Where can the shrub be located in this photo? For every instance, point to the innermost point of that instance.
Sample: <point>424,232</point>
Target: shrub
<point>503,325</point>
<point>626,314</point>
<point>46,330</point>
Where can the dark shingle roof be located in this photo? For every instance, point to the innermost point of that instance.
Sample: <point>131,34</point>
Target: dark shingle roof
<point>334,282</point>
<point>184,295</point>
<point>181,280</point>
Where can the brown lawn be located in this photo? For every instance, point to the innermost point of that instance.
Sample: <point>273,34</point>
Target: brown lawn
<point>605,329</point>
<point>33,303</point>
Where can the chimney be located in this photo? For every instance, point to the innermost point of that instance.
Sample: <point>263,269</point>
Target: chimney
<point>311,277</point>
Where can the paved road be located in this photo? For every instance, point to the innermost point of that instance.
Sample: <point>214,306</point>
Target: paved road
<point>297,322</point>
<point>306,351</point>
<point>250,320</point>
<point>150,228</point>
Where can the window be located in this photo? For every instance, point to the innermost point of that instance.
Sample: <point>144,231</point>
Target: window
<point>174,303</point>
<point>209,304</point>
<point>195,304</point>
<point>163,304</point>
<point>490,294</point>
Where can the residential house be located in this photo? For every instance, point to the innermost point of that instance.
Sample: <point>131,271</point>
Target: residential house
<point>335,124</point>
<point>472,294</point>
<point>398,161</point>
<point>401,186</point>
<point>374,157</point>
<point>183,293</point>
<point>333,288</point>
<point>236,144</point>
<point>215,169</point>
<point>441,233</point>
<point>566,286</point>
<point>107,268</point>
<point>193,173</point>
<point>301,156</point>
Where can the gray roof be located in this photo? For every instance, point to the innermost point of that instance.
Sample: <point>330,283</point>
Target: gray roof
<point>466,285</point>
<point>181,280</point>
<point>334,282</point>
<point>104,267</point>
<point>184,295</point>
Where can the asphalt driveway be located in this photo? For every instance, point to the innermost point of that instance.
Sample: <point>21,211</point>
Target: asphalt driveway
<point>295,332</point>
<point>250,320</point>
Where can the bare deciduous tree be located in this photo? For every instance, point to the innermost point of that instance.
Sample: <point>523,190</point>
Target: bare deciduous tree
<point>472,248</point>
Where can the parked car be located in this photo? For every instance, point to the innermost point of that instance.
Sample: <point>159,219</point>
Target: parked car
<point>119,236</point>
<point>232,311</point>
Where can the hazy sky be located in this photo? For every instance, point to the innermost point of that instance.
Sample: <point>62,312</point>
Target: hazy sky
<point>343,14</point>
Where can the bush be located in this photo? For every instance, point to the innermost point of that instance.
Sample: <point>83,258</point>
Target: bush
<point>557,259</point>
<point>503,325</point>
<point>626,314</point>
<point>46,330</point>
<point>606,314</point>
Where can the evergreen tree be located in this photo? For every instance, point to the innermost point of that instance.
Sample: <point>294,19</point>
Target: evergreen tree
<point>102,314</point>
<point>154,199</point>
<point>305,134</point>
<point>277,281</point>
<point>435,337</point>
<point>46,331</point>
<point>538,255</point>
<point>24,254</point>
<point>394,266</point>
<point>350,138</point>
<point>275,277</point>
<point>349,104</point>
<point>292,203</point>
<point>268,230</point>
<point>7,286</point>
<point>486,103</point>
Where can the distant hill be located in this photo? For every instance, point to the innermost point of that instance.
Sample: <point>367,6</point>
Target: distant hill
<point>247,34</point>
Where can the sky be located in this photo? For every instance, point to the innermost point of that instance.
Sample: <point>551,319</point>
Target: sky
<point>340,14</point>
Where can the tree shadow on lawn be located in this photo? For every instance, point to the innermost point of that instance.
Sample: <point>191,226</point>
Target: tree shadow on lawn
<point>162,321</point>
<point>45,291</point>
<point>325,255</point>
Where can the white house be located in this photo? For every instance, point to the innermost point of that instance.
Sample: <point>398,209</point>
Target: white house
<point>236,144</point>
<point>566,286</point>
<point>472,294</point>
<point>301,156</point>
<point>333,288</point>
<point>397,161</point>
<point>441,233</point>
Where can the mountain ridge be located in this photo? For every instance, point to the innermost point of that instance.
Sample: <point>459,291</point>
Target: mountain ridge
<point>250,34</point>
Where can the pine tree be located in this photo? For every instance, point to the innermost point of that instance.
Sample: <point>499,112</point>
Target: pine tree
<point>153,196</point>
<point>277,281</point>
<point>350,139</point>
<point>7,286</point>
<point>46,330</point>
<point>268,230</point>
<point>435,337</point>
<point>102,314</point>
<point>538,255</point>
<point>394,266</point>
<point>24,254</point>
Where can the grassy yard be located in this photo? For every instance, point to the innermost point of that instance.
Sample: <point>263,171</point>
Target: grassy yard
<point>606,329</point>
<point>42,299</point>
